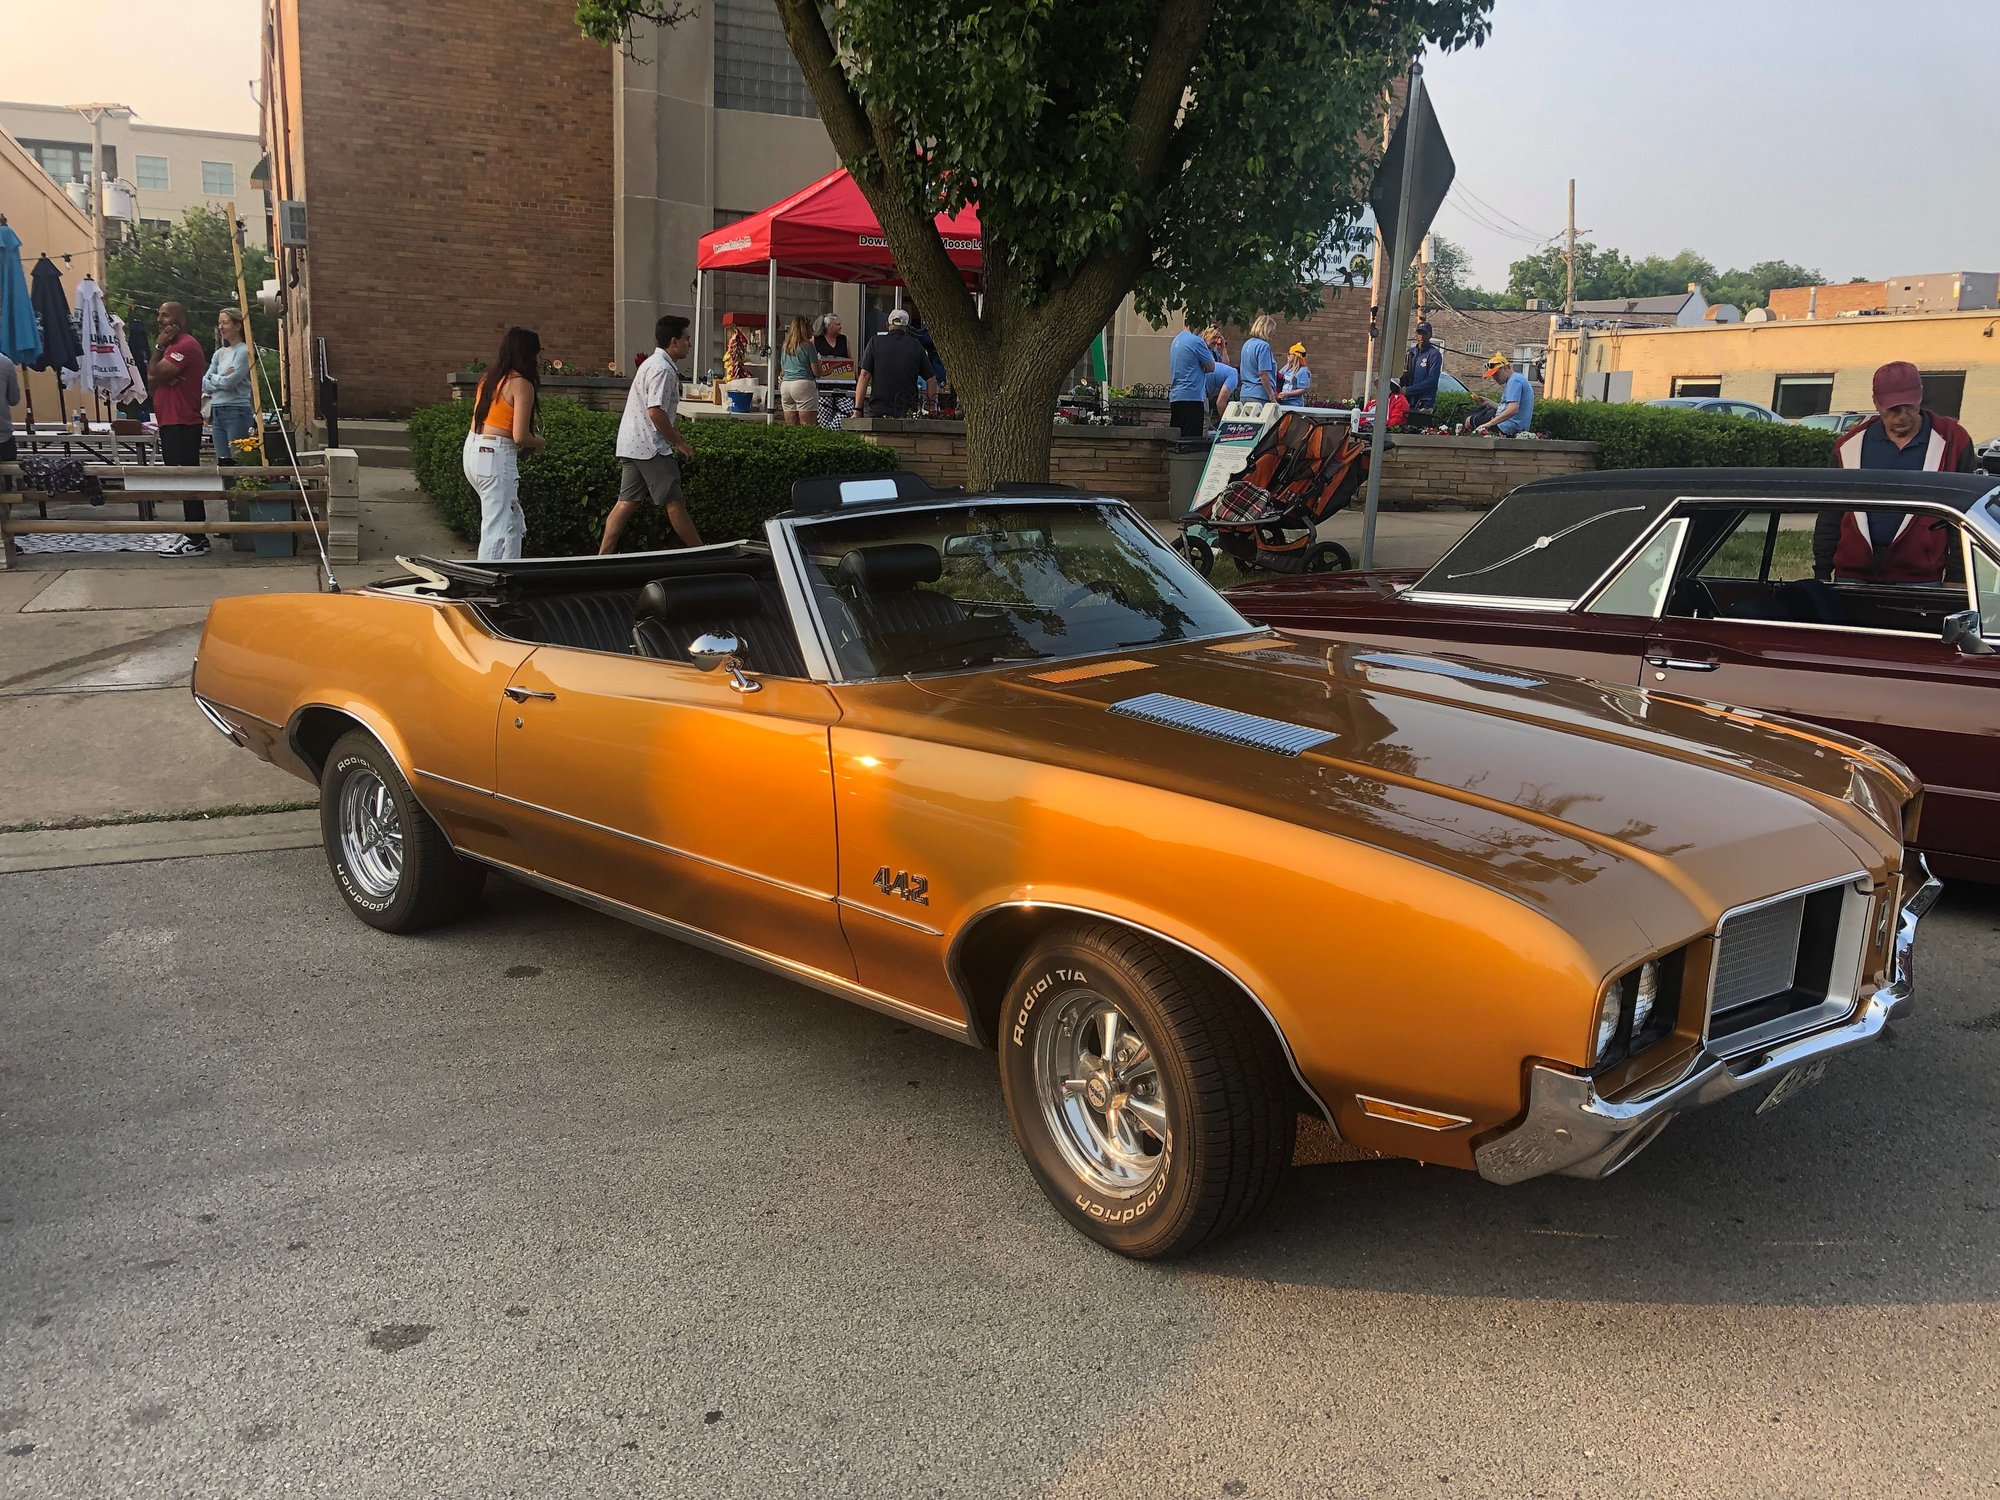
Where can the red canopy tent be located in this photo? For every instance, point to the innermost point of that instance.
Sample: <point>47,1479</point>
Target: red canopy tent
<point>824,232</point>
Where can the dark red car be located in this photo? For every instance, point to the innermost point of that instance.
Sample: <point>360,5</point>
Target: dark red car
<point>1721,584</point>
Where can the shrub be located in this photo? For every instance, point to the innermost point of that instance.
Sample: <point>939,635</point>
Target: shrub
<point>740,476</point>
<point>1452,408</point>
<point>1662,437</point>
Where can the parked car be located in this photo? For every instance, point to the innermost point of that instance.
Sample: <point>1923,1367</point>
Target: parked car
<point>1701,582</point>
<point>1719,406</point>
<point>1835,422</point>
<point>1005,767</point>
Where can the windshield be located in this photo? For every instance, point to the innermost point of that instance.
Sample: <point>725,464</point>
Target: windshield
<point>951,587</point>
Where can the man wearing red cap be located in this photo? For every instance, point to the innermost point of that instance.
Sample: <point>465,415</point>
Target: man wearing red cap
<point>1892,546</point>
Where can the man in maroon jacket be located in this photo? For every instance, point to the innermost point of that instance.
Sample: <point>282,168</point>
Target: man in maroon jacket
<point>1892,546</point>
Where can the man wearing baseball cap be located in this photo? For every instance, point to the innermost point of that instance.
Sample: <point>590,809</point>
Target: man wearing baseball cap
<point>895,376</point>
<point>1517,401</point>
<point>1889,546</point>
<point>1421,374</point>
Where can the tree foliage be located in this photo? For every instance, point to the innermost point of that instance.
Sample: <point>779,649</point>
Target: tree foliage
<point>191,264</point>
<point>1449,279</point>
<point>1608,273</point>
<point>1206,154</point>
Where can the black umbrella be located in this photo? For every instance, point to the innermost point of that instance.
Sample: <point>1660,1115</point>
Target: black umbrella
<point>60,349</point>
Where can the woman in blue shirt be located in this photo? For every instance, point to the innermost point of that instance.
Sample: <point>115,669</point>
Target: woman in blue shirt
<point>1258,366</point>
<point>227,386</point>
<point>1298,377</point>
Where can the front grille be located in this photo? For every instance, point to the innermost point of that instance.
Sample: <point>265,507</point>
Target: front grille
<point>1225,724</point>
<point>1758,955</point>
<point>1786,966</point>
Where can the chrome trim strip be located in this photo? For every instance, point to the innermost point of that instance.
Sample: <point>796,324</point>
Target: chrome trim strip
<point>242,713</point>
<point>463,786</point>
<point>954,973</point>
<point>786,968</point>
<point>1570,1128</point>
<point>688,854</point>
<point>228,730</point>
<point>1490,601</point>
<point>1453,1121</point>
<point>848,903</point>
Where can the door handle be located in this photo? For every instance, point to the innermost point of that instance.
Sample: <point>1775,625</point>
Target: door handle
<point>522,695</point>
<point>1682,663</point>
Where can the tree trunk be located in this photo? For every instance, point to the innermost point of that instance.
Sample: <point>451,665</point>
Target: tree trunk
<point>1009,430</point>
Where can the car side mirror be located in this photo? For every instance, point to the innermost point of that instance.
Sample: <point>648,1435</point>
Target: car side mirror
<point>1963,631</point>
<point>712,652</point>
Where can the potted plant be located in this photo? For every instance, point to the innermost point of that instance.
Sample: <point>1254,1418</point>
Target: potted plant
<point>250,452</point>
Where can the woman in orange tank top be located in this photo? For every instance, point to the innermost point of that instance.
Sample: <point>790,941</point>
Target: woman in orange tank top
<point>503,418</point>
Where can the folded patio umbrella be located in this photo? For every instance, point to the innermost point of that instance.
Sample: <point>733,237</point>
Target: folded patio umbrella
<point>60,348</point>
<point>20,339</point>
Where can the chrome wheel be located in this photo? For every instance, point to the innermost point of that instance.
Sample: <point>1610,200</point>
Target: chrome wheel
<point>371,835</point>
<point>1101,1094</point>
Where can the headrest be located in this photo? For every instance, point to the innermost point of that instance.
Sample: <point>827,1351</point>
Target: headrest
<point>706,596</point>
<point>892,567</point>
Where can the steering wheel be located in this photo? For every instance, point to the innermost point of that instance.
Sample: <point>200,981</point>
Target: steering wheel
<point>1692,597</point>
<point>1083,591</point>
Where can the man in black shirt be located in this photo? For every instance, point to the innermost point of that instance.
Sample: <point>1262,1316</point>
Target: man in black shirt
<point>895,378</point>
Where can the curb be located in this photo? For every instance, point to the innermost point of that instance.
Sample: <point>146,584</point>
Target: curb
<point>133,843</point>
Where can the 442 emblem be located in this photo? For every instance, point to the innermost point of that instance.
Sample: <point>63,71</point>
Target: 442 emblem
<point>902,883</point>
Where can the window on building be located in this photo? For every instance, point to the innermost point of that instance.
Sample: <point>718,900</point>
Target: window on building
<point>65,161</point>
<point>153,176</point>
<point>1944,391</point>
<point>1697,385</point>
<point>218,178</point>
<point>1475,347</point>
<point>1802,395</point>
<point>753,65</point>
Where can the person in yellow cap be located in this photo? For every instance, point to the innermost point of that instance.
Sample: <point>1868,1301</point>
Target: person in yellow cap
<point>1296,378</point>
<point>1517,401</point>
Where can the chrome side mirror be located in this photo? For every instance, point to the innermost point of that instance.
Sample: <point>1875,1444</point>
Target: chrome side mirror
<point>710,652</point>
<point>1963,631</point>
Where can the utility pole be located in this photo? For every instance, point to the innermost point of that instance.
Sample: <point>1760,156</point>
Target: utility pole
<point>95,113</point>
<point>1376,312</point>
<point>1569,256</point>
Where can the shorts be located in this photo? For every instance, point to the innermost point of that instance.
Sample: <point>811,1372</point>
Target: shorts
<point>657,479</point>
<point>800,395</point>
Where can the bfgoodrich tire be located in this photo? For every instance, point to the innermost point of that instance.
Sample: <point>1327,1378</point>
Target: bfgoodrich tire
<point>1150,1099</point>
<point>391,864</point>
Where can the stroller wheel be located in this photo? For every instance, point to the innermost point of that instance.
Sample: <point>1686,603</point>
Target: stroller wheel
<point>1196,551</point>
<point>1328,557</point>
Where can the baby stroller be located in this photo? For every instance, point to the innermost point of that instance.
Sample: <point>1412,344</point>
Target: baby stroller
<point>1304,469</point>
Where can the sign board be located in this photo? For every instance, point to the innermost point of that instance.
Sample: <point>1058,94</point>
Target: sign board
<point>1429,182</point>
<point>1243,423</point>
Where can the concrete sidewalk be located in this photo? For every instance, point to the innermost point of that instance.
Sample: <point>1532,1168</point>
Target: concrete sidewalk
<point>96,652</point>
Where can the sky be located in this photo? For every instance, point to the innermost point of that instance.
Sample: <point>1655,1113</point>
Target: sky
<point>1854,139</point>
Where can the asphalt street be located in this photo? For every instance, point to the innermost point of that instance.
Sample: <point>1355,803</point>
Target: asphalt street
<point>543,1205</point>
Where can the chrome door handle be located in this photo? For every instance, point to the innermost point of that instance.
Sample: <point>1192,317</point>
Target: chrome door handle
<point>1682,663</point>
<point>522,695</point>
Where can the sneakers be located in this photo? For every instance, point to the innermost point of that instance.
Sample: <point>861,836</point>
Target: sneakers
<point>187,545</point>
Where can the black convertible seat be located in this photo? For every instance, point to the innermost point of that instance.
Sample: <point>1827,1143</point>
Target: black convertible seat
<point>882,584</point>
<point>600,620</point>
<point>673,613</point>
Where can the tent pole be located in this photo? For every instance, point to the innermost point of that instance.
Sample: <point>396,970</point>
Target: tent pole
<point>700,370</point>
<point>899,295</point>
<point>771,350</point>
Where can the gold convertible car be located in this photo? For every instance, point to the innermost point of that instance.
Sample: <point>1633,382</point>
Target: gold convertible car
<point>1005,766</point>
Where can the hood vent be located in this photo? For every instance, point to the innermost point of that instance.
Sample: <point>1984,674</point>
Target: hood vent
<point>1225,724</point>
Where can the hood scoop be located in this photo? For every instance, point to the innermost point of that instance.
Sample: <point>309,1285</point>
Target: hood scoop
<point>1251,731</point>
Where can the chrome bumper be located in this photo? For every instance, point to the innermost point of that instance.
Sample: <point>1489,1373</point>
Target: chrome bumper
<point>1570,1128</point>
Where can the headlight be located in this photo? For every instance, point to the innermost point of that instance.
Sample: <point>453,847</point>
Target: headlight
<point>1610,1010</point>
<point>1637,1009</point>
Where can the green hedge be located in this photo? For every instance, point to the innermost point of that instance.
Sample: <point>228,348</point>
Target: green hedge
<point>1663,437</point>
<point>740,476</point>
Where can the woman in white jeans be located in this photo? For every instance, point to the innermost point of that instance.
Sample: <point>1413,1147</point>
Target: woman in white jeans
<point>503,417</point>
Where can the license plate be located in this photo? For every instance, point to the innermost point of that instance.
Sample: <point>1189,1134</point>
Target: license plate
<point>1794,1083</point>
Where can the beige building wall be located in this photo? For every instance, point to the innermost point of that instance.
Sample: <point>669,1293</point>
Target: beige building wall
<point>1748,358</point>
<point>48,224</point>
<point>180,168</point>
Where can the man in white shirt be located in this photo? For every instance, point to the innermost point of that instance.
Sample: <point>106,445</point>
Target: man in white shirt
<point>648,439</point>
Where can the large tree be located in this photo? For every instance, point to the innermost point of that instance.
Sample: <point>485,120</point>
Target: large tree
<point>1204,155</point>
<point>189,263</point>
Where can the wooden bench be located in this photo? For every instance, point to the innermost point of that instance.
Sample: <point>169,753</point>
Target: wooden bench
<point>329,499</point>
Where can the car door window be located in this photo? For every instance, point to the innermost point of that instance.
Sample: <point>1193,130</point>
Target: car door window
<point>1641,585</point>
<point>1986,583</point>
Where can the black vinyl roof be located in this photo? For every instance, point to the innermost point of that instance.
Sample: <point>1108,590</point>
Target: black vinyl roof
<point>1552,539</point>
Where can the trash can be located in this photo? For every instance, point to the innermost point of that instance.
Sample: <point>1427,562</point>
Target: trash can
<point>1185,461</point>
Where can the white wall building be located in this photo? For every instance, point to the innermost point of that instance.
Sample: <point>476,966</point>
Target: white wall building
<point>169,169</point>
